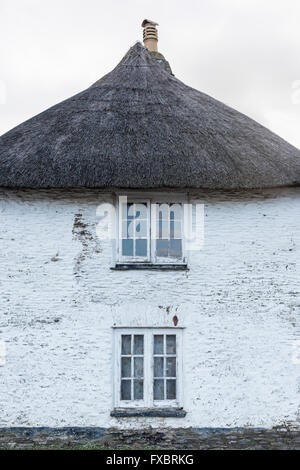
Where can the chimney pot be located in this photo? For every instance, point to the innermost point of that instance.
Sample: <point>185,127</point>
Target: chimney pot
<point>150,35</point>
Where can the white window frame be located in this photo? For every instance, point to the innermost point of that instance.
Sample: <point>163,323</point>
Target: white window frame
<point>166,260</point>
<point>151,201</point>
<point>134,259</point>
<point>148,400</point>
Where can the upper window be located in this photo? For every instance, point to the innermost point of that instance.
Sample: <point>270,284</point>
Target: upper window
<point>168,233</point>
<point>150,232</point>
<point>135,231</point>
<point>148,367</point>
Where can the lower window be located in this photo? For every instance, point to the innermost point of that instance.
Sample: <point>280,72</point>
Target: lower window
<point>148,367</point>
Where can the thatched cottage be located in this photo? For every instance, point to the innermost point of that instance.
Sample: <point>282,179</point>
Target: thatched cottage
<point>149,261</point>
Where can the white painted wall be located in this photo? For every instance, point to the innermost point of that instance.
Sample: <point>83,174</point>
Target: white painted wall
<point>239,304</point>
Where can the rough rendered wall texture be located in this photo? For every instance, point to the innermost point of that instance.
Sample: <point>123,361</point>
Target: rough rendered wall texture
<point>239,304</point>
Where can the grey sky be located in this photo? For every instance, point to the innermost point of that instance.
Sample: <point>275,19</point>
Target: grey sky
<point>245,53</point>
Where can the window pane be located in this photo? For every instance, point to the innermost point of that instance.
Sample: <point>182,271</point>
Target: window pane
<point>169,231</point>
<point>141,247</point>
<point>141,229</point>
<point>171,344</point>
<point>175,211</point>
<point>158,367</point>
<point>162,248</point>
<point>178,230</point>
<point>126,390</point>
<point>175,248</point>
<point>162,211</point>
<point>171,389</point>
<point>139,367</point>
<point>126,208</point>
<point>172,228</point>
<point>162,227</point>
<point>159,227</point>
<point>138,346</point>
<point>138,388</point>
<point>127,247</point>
<point>158,344</point>
<point>127,229</point>
<point>141,211</point>
<point>171,366</point>
<point>126,367</point>
<point>126,345</point>
<point>130,212</point>
<point>175,230</point>
<point>158,390</point>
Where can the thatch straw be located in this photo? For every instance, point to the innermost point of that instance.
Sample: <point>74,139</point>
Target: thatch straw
<point>140,127</point>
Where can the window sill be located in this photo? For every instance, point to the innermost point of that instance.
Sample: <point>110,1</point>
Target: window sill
<point>148,413</point>
<point>150,266</point>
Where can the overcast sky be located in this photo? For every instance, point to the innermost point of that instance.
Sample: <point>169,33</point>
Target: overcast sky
<point>245,53</point>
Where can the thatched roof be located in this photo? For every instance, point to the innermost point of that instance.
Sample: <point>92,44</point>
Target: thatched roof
<point>140,127</point>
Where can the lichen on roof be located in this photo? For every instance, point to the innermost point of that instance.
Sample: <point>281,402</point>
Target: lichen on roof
<point>162,61</point>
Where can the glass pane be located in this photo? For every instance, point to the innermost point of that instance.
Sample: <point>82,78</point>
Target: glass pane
<point>158,367</point>
<point>159,228</point>
<point>172,228</point>
<point>171,367</point>
<point>175,229</point>
<point>127,229</point>
<point>139,367</point>
<point>162,248</point>
<point>138,345</point>
<point>141,229</point>
<point>124,211</point>
<point>127,247</point>
<point>171,389</point>
<point>141,248</point>
<point>162,228</point>
<point>126,367</point>
<point>162,211</point>
<point>126,390</point>
<point>158,344</point>
<point>158,389</point>
<point>130,212</point>
<point>175,212</point>
<point>175,248</point>
<point>141,211</point>
<point>138,389</point>
<point>126,345</point>
<point>171,344</point>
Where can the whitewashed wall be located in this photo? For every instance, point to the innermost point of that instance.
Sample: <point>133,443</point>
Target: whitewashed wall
<point>239,304</point>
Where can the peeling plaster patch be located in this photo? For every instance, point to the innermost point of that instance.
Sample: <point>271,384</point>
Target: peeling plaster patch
<point>90,245</point>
